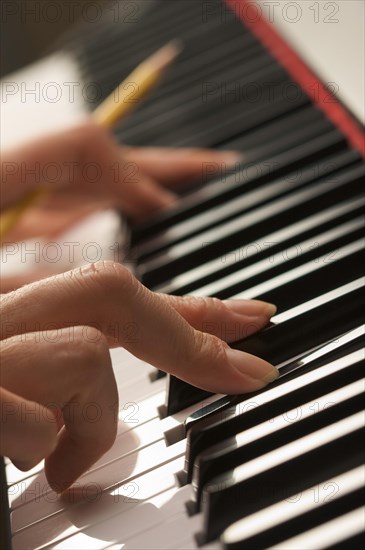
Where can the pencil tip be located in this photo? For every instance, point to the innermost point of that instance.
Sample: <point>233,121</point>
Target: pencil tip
<point>177,45</point>
<point>167,54</point>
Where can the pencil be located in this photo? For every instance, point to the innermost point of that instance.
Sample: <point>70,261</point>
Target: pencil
<point>117,105</point>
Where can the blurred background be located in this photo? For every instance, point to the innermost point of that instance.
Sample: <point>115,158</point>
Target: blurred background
<point>30,29</point>
<point>328,35</point>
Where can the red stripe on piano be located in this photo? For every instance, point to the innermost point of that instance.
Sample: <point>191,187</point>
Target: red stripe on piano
<point>254,18</point>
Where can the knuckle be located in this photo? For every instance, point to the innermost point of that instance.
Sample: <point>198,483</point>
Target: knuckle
<point>204,305</point>
<point>207,344</point>
<point>108,275</point>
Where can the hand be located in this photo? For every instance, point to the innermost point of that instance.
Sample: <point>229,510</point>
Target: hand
<point>88,171</point>
<point>56,335</point>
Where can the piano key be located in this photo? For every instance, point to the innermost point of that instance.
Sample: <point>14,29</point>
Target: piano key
<point>344,257</point>
<point>272,523</point>
<point>206,279</point>
<point>150,36</point>
<point>282,472</point>
<point>352,541</point>
<point>250,226</point>
<point>136,438</point>
<point>190,89</point>
<point>316,516</point>
<point>273,167</point>
<point>320,248</point>
<point>273,343</point>
<point>238,205</point>
<point>271,434</point>
<point>196,117</point>
<point>272,402</point>
<point>106,514</point>
<point>261,142</point>
<point>347,343</point>
<point>180,395</point>
<point>299,337</point>
<point>154,34</point>
<point>252,143</point>
<point>131,414</point>
<point>340,530</point>
<point>190,71</point>
<point>216,237</point>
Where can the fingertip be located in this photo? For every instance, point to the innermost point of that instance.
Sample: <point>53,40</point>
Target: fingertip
<point>260,372</point>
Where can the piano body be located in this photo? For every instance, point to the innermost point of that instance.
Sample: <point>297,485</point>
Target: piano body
<point>281,468</point>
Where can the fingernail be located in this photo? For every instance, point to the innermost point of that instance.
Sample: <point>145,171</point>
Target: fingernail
<point>252,308</point>
<point>252,366</point>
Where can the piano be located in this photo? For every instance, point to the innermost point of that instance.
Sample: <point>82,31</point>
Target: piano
<point>283,467</point>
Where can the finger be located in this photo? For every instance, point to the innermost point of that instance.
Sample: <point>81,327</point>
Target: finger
<point>28,430</point>
<point>79,381</point>
<point>107,296</point>
<point>142,196</point>
<point>87,160</point>
<point>173,166</point>
<point>229,320</point>
<point>8,284</point>
<point>53,216</point>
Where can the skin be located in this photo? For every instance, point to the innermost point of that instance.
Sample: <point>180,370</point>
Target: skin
<point>76,317</point>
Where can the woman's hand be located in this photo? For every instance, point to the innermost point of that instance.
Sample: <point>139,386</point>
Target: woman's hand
<point>87,171</point>
<point>56,335</point>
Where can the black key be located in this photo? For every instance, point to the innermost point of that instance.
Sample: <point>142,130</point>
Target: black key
<point>331,351</point>
<point>278,343</point>
<point>216,278</point>
<point>260,195</point>
<point>252,225</point>
<point>266,136</point>
<point>280,250</point>
<point>252,144</point>
<point>244,446</point>
<point>340,502</point>
<point>189,90</point>
<point>197,124</point>
<point>290,394</point>
<point>298,333</point>
<point>344,527</point>
<point>304,278</point>
<point>299,468</point>
<point>157,375</point>
<point>219,191</point>
<point>180,395</point>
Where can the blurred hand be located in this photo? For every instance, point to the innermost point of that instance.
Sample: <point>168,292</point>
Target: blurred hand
<point>87,170</point>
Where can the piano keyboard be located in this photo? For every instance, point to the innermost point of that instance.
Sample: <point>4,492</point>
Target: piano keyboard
<point>283,467</point>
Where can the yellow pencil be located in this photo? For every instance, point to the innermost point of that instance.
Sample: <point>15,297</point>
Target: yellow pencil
<point>120,103</point>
